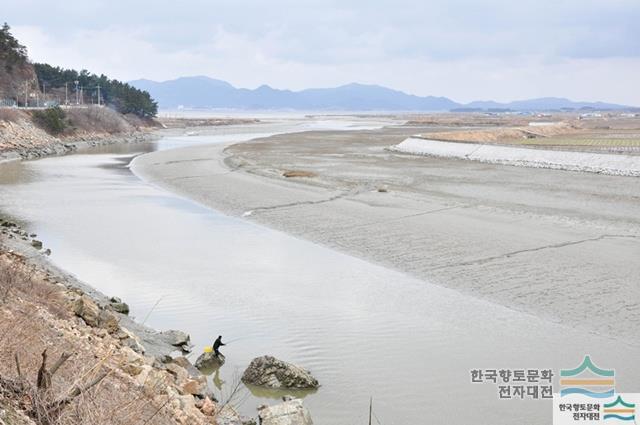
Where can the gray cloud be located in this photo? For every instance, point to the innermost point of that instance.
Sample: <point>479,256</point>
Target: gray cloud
<point>293,44</point>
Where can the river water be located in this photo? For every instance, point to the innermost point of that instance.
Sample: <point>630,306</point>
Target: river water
<point>364,331</point>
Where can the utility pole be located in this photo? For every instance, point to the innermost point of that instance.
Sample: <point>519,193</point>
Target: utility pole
<point>66,94</point>
<point>26,94</point>
<point>98,94</point>
<point>77,99</point>
<point>370,409</point>
<point>81,95</point>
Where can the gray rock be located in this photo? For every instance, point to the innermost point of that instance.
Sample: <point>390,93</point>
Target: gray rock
<point>89,311</point>
<point>290,412</point>
<point>209,361</point>
<point>197,387</point>
<point>175,338</point>
<point>229,416</point>
<point>93,316</point>
<point>267,371</point>
<point>186,364</point>
<point>109,321</point>
<point>120,307</point>
<point>36,244</point>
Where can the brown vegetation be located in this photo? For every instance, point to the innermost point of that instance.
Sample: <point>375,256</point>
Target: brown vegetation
<point>55,369</point>
<point>85,385</point>
<point>11,115</point>
<point>204,122</point>
<point>298,173</point>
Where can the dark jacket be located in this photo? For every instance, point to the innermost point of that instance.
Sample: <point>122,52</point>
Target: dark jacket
<point>218,343</point>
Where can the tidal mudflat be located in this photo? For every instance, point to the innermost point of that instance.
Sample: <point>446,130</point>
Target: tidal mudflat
<point>309,271</point>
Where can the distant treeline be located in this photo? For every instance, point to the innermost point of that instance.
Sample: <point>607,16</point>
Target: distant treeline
<point>124,98</point>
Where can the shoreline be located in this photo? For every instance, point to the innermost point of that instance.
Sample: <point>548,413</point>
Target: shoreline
<point>538,157</point>
<point>146,356</point>
<point>259,191</point>
<point>403,215</point>
<point>147,366</point>
<point>64,147</point>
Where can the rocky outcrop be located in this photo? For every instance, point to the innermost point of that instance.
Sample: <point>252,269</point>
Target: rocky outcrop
<point>267,371</point>
<point>290,412</point>
<point>89,311</point>
<point>186,364</point>
<point>177,339</point>
<point>85,308</point>
<point>209,361</point>
<point>22,139</point>
<point>118,306</point>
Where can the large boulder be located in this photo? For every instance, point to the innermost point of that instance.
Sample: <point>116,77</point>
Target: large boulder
<point>109,321</point>
<point>267,371</point>
<point>195,386</point>
<point>290,412</point>
<point>118,306</point>
<point>89,311</point>
<point>177,339</point>
<point>208,360</point>
<point>94,316</point>
<point>186,364</point>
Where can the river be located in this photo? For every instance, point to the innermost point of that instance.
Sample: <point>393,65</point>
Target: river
<point>364,331</point>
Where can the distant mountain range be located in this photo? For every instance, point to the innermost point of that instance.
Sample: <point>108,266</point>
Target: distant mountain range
<point>205,92</point>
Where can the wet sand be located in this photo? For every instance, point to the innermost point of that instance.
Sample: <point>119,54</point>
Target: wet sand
<point>561,245</point>
<point>363,330</point>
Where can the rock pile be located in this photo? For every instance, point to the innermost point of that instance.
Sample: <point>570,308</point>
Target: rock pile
<point>267,371</point>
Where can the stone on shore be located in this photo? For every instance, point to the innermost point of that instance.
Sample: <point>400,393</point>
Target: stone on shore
<point>267,371</point>
<point>208,407</point>
<point>209,361</point>
<point>290,412</point>
<point>186,364</point>
<point>118,306</point>
<point>85,308</point>
<point>177,339</point>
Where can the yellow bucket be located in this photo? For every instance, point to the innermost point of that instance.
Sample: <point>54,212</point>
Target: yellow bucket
<point>208,349</point>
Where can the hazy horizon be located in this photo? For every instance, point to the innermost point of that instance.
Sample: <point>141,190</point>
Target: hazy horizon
<point>463,50</point>
<point>577,100</point>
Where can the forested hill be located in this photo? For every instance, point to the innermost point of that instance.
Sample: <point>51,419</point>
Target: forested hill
<point>15,69</point>
<point>123,97</point>
<point>25,84</point>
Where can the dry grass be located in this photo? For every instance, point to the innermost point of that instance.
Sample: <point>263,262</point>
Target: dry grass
<point>96,119</point>
<point>11,115</point>
<point>174,122</point>
<point>34,317</point>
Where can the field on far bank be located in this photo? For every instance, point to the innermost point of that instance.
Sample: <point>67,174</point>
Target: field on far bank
<point>611,132</point>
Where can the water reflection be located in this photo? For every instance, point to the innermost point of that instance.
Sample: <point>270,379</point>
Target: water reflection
<point>361,329</point>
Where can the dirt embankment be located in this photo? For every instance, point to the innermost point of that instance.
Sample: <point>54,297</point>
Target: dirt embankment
<point>22,136</point>
<point>67,358</point>
<point>501,134</point>
<point>170,122</point>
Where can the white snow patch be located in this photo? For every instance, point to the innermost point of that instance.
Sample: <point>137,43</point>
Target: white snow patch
<point>621,165</point>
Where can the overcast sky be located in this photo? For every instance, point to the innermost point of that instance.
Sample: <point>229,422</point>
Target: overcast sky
<point>463,49</point>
